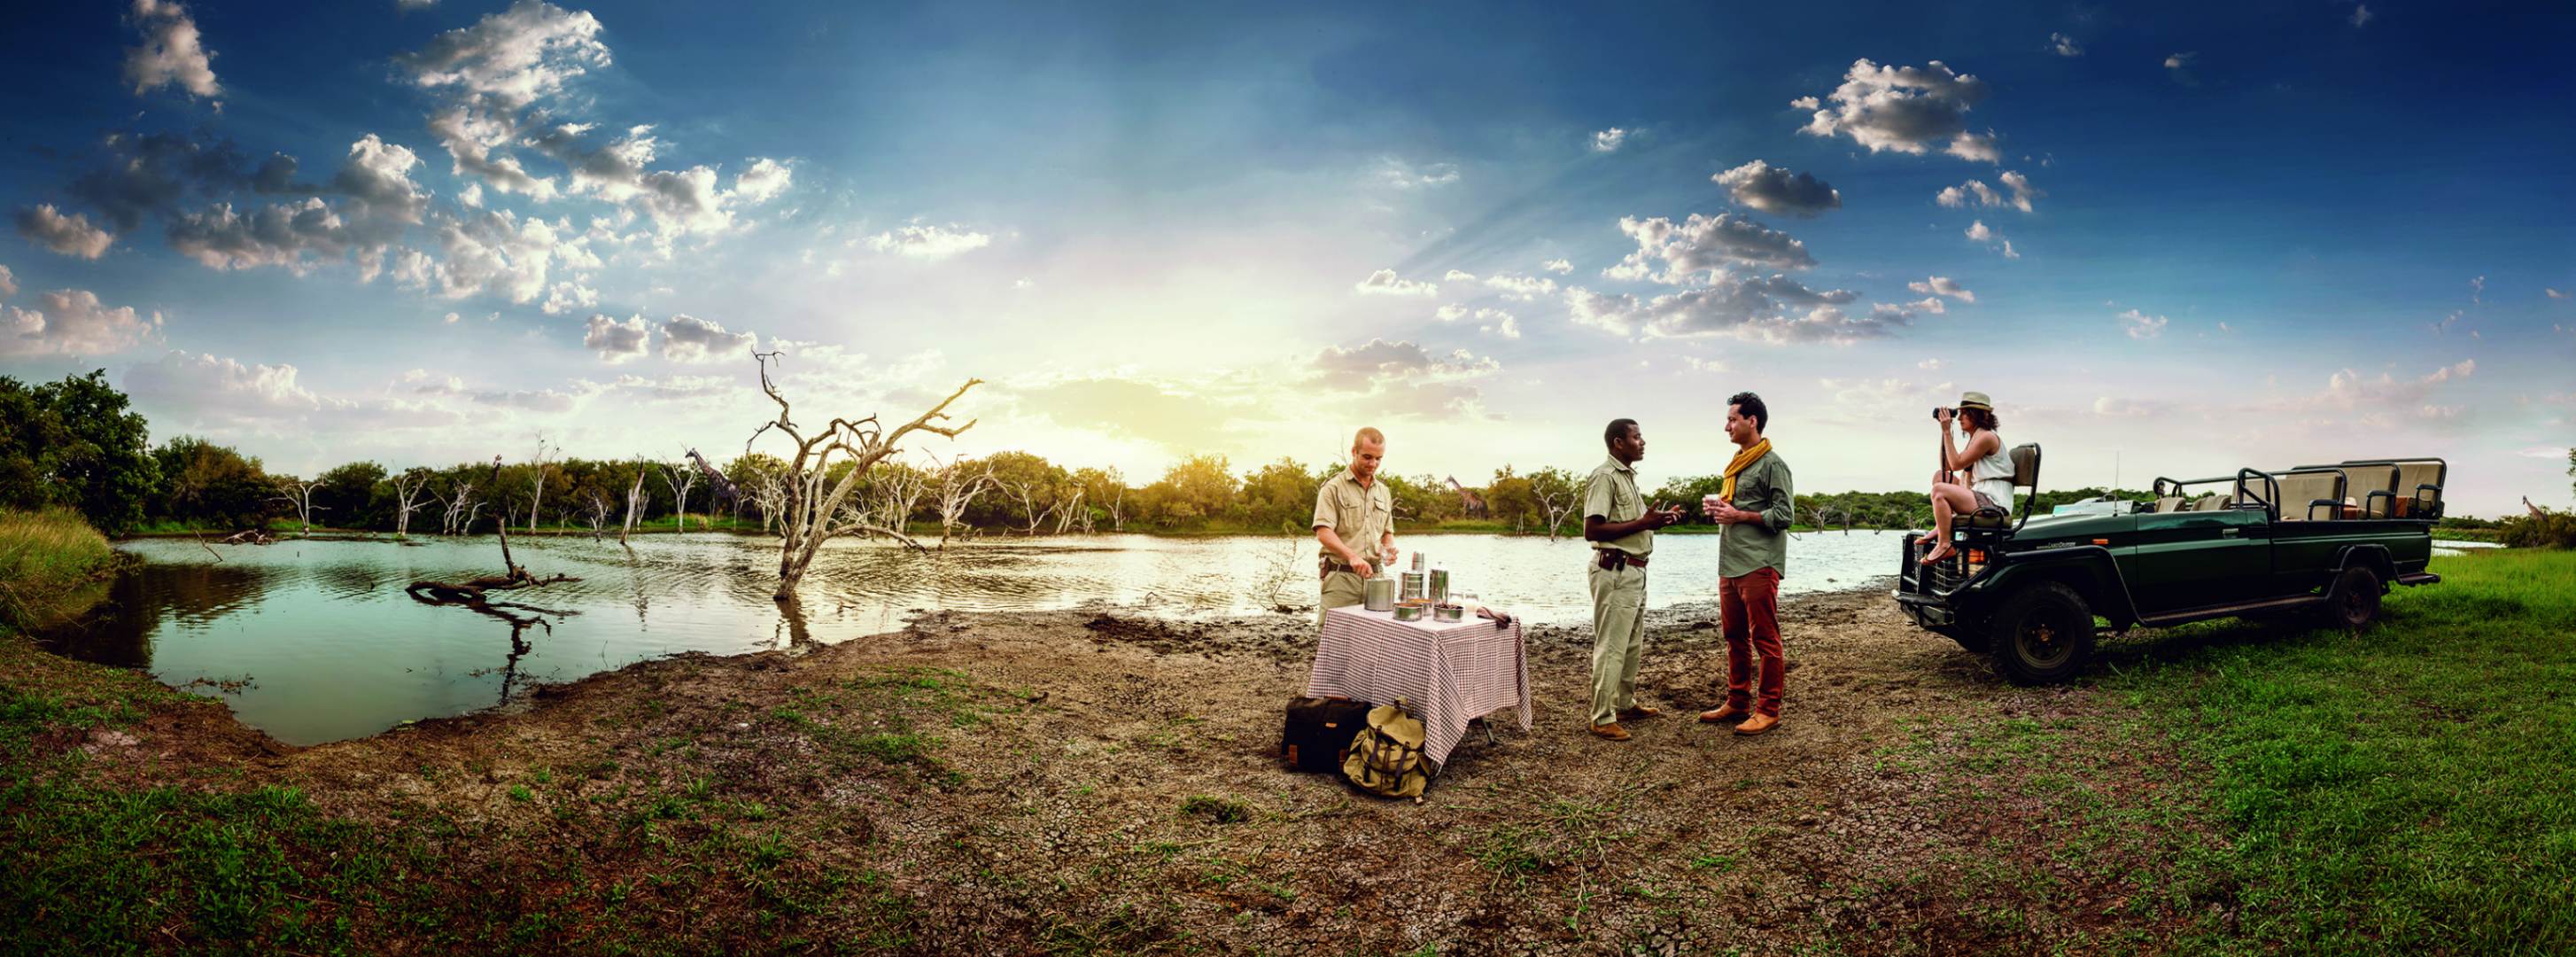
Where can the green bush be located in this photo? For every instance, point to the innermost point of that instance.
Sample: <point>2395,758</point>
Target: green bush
<point>2546,530</point>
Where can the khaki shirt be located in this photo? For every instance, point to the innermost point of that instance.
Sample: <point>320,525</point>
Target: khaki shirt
<point>1612,494</point>
<point>1762,487</point>
<point>1363,517</point>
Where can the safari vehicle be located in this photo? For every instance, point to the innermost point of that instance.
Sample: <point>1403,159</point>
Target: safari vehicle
<point>2316,542</point>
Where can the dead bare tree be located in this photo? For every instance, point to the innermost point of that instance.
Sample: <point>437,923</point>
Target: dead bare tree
<point>407,489</point>
<point>1118,509</point>
<point>595,507</point>
<point>299,495</point>
<point>1064,513</point>
<point>769,494</point>
<point>474,593</point>
<point>543,461</point>
<point>957,488</point>
<point>899,491</point>
<point>1026,491</point>
<point>680,477</point>
<point>1556,504</point>
<point>814,512</point>
<point>459,508</point>
<point>634,503</point>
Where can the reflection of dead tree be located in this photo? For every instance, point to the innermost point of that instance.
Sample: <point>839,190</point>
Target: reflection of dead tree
<point>634,503</point>
<point>680,478</point>
<point>407,489</point>
<point>300,496</point>
<point>247,536</point>
<point>814,511</point>
<point>958,485</point>
<point>475,593</point>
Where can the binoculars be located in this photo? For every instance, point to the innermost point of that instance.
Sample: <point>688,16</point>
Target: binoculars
<point>1942,411</point>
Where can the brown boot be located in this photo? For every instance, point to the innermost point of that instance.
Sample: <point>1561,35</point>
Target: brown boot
<point>1758,723</point>
<point>1611,731</point>
<point>1721,715</point>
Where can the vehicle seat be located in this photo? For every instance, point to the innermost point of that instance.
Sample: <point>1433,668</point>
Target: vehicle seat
<point>2172,503</point>
<point>2297,489</point>
<point>2025,460</point>
<point>2210,503</point>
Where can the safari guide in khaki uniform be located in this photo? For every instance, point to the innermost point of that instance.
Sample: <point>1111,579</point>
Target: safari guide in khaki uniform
<point>1621,529</point>
<point>1753,503</point>
<point>1354,511</point>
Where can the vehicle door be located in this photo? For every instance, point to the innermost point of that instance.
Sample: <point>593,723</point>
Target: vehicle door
<point>2197,559</point>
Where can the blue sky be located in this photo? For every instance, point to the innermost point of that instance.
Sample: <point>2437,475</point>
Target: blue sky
<point>2237,234</point>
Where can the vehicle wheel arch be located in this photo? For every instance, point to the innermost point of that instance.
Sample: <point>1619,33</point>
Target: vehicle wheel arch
<point>2372,556</point>
<point>2092,577</point>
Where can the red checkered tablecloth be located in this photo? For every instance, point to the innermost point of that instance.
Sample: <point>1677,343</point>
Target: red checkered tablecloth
<point>1449,672</point>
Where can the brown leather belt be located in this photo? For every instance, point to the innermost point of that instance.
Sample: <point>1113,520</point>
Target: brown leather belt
<point>1609,559</point>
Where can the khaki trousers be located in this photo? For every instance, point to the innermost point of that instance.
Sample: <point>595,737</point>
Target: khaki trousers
<point>1341,590</point>
<point>1618,638</point>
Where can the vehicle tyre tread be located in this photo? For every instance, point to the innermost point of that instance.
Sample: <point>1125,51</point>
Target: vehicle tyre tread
<point>2353,602</point>
<point>2044,598</point>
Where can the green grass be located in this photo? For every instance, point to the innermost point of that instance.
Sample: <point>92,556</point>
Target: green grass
<point>2406,789</point>
<point>52,565</point>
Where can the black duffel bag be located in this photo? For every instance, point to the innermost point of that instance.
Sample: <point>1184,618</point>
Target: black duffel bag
<point>1319,730</point>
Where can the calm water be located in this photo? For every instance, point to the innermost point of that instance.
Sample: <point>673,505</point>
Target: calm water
<point>332,648</point>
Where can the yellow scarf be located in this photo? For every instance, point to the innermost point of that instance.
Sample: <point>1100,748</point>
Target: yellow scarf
<point>1749,455</point>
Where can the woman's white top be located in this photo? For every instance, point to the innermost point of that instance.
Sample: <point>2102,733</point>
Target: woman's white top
<point>1993,475</point>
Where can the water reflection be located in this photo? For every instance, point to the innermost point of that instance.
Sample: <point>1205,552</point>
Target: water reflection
<point>336,649</point>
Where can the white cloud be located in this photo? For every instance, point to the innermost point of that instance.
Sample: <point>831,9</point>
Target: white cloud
<point>511,58</point>
<point>2117,408</point>
<point>1759,308</point>
<point>763,181</point>
<point>1977,193</point>
<point>1450,313</point>
<point>1704,244</point>
<point>2064,45</point>
<point>493,250</point>
<point>8,283</point>
<point>2554,294</point>
<point>2179,60</point>
<point>221,389</point>
<point>172,52</point>
<point>1772,189</point>
<point>1942,286</point>
<point>471,197</point>
<point>2348,391</point>
<point>2360,14</point>
<point>2179,67</point>
<point>1557,266</point>
<point>69,235</point>
<point>1609,139</point>
<point>568,296</point>
<point>1904,109</point>
<point>1498,322</point>
<point>1384,282</point>
<point>1519,288</point>
<point>70,322</point>
<point>450,319</point>
<point>1405,378</point>
<point>378,202</point>
<point>928,241</point>
<point>1458,275</point>
<point>2143,326</point>
<point>614,341</point>
<point>1978,231</point>
<point>1697,364</point>
<point>1929,365</point>
<point>687,338</point>
<point>1394,172</point>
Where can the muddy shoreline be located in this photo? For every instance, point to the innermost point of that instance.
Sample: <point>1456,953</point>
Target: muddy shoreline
<point>1006,782</point>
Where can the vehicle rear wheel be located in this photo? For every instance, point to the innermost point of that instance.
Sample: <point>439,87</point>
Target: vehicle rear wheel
<point>2354,599</point>
<point>2042,635</point>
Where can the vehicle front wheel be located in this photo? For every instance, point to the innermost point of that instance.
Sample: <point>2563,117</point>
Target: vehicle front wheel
<point>2354,599</point>
<point>2042,635</point>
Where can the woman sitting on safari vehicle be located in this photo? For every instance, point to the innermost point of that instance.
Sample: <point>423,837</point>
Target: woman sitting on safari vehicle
<point>1982,456</point>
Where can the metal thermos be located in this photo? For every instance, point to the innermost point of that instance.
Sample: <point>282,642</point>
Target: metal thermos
<point>1416,586</point>
<point>1440,584</point>
<point>1381,593</point>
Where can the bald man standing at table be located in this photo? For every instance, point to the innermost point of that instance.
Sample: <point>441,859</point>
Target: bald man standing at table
<point>1354,511</point>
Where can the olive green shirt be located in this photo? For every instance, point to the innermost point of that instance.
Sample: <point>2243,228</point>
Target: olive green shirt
<point>1762,487</point>
<point>1612,494</point>
<point>1362,516</point>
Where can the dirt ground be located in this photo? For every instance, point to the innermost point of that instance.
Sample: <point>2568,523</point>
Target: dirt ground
<point>1093,781</point>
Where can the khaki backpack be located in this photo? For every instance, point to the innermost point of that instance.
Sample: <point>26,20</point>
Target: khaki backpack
<point>1386,757</point>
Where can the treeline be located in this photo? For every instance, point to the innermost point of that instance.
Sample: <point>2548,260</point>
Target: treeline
<point>75,443</point>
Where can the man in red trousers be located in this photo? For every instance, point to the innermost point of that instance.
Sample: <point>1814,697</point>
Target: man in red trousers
<point>1754,505</point>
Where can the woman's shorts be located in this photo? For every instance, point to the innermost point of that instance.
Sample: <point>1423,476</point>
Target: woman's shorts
<point>1985,502</point>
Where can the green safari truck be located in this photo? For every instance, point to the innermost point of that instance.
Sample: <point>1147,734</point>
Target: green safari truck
<point>2319,543</point>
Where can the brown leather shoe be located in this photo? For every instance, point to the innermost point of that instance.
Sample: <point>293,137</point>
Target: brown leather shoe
<point>1640,713</point>
<point>1725,714</point>
<point>1611,731</point>
<point>1758,723</point>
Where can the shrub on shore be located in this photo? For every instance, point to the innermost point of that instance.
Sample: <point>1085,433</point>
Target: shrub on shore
<point>46,559</point>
